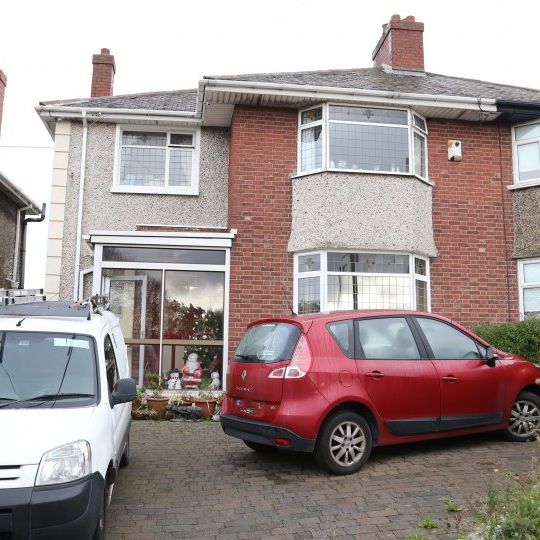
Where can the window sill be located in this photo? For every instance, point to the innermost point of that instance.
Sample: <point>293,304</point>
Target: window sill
<point>524,184</point>
<point>366,173</point>
<point>155,191</point>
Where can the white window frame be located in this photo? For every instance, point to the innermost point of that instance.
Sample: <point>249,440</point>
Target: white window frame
<point>522,285</point>
<point>325,122</point>
<point>193,189</point>
<point>323,274</point>
<point>515,162</point>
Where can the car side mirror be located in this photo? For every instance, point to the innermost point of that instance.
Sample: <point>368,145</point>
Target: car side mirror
<point>491,357</point>
<point>124,391</point>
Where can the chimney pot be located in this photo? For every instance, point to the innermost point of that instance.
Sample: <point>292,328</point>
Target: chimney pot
<point>401,45</point>
<point>103,72</point>
<point>3,82</point>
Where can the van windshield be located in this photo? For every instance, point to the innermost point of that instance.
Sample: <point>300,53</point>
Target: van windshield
<point>46,370</point>
<point>267,343</point>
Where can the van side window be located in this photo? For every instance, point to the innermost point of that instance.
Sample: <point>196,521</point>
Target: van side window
<point>342,332</point>
<point>110,364</point>
<point>386,339</point>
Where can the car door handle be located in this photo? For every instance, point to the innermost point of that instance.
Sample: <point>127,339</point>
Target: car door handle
<point>377,375</point>
<point>450,379</point>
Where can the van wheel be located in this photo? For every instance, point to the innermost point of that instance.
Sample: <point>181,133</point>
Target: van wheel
<point>344,443</point>
<point>259,447</point>
<point>124,460</point>
<point>99,533</point>
<point>524,424</point>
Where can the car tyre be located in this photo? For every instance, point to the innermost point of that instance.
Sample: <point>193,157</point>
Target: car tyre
<point>259,447</point>
<point>124,460</point>
<point>524,423</point>
<point>344,443</point>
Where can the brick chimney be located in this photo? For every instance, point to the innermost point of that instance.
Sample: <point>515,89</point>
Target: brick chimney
<point>401,45</point>
<point>103,73</point>
<point>3,82</point>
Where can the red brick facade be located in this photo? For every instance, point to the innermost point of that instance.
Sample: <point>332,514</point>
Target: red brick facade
<point>262,157</point>
<point>474,277</point>
<point>103,74</point>
<point>402,44</point>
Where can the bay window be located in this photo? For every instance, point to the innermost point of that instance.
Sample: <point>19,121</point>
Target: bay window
<point>529,288</point>
<point>526,145</point>
<point>362,139</point>
<point>337,280</point>
<point>151,161</point>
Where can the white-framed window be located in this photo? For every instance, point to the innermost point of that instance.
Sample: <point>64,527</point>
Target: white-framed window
<point>345,280</point>
<point>350,138</point>
<point>529,288</point>
<point>526,153</point>
<point>157,160</point>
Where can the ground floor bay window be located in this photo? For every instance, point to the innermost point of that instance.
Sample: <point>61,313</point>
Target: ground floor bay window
<point>171,302</point>
<point>345,280</point>
<point>529,288</point>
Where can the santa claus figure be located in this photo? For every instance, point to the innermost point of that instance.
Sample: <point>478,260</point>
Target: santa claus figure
<point>174,382</point>
<point>192,372</point>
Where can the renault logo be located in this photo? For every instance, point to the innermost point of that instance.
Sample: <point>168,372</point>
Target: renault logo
<point>244,375</point>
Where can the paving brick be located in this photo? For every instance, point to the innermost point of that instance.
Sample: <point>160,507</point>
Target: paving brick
<point>191,481</point>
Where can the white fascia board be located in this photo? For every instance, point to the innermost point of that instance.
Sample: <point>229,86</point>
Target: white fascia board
<point>172,234</point>
<point>161,241</point>
<point>325,93</point>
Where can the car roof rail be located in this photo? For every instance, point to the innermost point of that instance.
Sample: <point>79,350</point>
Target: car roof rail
<point>96,304</point>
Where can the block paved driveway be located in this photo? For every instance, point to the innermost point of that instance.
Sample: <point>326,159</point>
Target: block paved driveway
<point>189,480</point>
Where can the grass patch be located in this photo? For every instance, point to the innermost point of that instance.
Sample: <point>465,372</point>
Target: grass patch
<point>428,523</point>
<point>509,514</point>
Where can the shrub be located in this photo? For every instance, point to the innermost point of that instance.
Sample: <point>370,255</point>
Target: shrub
<point>521,338</point>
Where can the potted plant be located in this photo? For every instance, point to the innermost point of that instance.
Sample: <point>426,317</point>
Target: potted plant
<point>137,402</point>
<point>156,401</point>
<point>207,403</point>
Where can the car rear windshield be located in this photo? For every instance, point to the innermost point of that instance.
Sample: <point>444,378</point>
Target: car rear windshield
<point>267,343</point>
<point>40,369</point>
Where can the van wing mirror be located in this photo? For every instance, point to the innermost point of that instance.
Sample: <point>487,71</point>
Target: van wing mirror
<point>124,391</point>
<point>491,357</point>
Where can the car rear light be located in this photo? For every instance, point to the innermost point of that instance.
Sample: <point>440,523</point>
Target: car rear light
<point>300,362</point>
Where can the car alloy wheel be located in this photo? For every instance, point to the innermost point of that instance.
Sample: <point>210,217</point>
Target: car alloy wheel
<point>524,419</point>
<point>347,443</point>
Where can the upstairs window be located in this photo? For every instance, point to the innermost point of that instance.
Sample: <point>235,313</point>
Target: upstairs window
<point>362,139</point>
<point>527,153</point>
<point>158,162</point>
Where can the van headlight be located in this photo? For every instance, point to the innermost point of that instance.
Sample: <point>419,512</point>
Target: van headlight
<point>65,463</point>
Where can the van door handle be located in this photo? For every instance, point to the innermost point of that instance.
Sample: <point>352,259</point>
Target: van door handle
<point>377,375</point>
<point>450,379</point>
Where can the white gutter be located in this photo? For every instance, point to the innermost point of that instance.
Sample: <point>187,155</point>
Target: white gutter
<point>17,240</point>
<point>80,208</point>
<point>353,94</point>
<point>107,111</point>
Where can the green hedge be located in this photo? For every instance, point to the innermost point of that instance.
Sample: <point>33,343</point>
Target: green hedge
<point>521,338</point>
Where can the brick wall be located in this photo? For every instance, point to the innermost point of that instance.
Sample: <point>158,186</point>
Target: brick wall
<point>262,157</point>
<point>474,278</point>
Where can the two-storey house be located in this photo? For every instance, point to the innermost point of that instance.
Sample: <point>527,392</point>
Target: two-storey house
<point>382,187</point>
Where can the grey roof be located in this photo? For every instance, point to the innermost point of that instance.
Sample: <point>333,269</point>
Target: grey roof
<point>14,193</point>
<point>397,81</point>
<point>173,100</point>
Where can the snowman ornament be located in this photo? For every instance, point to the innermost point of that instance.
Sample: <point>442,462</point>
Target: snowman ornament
<point>174,382</point>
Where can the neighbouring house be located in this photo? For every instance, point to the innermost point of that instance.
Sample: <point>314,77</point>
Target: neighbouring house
<point>15,209</point>
<point>200,210</point>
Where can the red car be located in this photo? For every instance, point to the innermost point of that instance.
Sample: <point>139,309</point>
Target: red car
<point>338,384</point>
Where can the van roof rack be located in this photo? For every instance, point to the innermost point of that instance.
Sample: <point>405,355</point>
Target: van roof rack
<point>9,297</point>
<point>57,308</point>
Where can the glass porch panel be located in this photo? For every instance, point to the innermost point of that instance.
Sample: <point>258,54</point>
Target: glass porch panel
<point>368,292</point>
<point>210,358</point>
<point>163,255</point>
<point>193,308</point>
<point>143,359</point>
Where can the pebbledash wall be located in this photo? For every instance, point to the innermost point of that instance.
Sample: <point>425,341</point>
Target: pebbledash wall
<point>473,276</point>
<point>104,210</point>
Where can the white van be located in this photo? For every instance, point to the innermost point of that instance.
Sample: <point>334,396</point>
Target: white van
<point>64,419</point>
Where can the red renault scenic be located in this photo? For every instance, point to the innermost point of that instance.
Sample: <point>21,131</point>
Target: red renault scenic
<point>338,384</point>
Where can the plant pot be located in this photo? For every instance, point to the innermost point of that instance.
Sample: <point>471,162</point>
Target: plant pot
<point>135,404</point>
<point>158,405</point>
<point>207,407</point>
